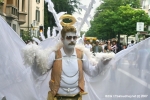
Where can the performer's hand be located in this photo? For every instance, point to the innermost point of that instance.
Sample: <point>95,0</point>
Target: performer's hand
<point>106,60</point>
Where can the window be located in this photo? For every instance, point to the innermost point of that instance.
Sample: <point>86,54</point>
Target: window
<point>9,23</point>
<point>38,1</point>
<point>23,5</point>
<point>9,1</point>
<point>16,3</point>
<point>14,27</point>
<point>37,16</point>
<point>21,33</point>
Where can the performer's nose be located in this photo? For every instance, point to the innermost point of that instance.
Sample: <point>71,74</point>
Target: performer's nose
<point>72,39</point>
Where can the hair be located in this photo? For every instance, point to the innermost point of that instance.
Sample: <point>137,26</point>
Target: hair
<point>66,29</point>
<point>132,41</point>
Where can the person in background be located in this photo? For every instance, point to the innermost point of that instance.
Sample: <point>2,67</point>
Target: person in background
<point>124,47</point>
<point>107,47</point>
<point>119,47</point>
<point>102,44</point>
<point>114,46</point>
<point>97,48</point>
<point>88,45</point>
<point>131,44</point>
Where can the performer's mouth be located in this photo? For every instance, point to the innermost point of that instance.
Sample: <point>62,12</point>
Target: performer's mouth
<point>71,43</point>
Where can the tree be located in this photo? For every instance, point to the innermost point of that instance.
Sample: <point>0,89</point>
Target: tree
<point>101,26</point>
<point>1,1</point>
<point>117,17</point>
<point>133,3</point>
<point>69,6</point>
<point>103,20</point>
<point>26,37</point>
<point>127,19</point>
<point>114,4</point>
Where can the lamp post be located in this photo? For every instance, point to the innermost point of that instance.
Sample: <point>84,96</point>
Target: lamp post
<point>33,30</point>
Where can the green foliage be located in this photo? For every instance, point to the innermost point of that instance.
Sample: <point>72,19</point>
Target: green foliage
<point>69,6</point>
<point>82,32</point>
<point>132,3</point>
<point>26,36</point>
<point>128,17</point>
<point>1,1</point>
<point>110,5</point>
<point>115,17</point>
<point>114,4</point>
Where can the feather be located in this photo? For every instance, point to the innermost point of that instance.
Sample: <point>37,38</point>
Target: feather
<point>79,18</point>
<point>36,40</point>
<point>90,16</point>
<point>88,23</point>
<point>29,52</point>
<point>42,36</point>
<point>83,36</point>
<point>50,5</point>
<point>86,15</point>
<point>80,41</point>
<point>61,13</point>
<point>54,32</point>
<point>56,28</point>
<point>42,56</point>
<point>48,32</point>
<point>104,56</point>
<point>56,16</point>
<point>87,53</point>
<point>83,7</point>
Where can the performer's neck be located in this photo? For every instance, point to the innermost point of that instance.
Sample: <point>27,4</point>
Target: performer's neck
<point>68,52</point>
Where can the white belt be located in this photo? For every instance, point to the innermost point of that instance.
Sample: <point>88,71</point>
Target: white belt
<point>67,91</point>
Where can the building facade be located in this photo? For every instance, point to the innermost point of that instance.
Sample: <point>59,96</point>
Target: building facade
<point>23,15</point>
<point>11,11</point>
<point>146,6</point>
<point>35,16</point>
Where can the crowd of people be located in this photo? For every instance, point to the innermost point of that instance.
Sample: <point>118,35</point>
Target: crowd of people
<point>106,46</point>
<point>98,46</point>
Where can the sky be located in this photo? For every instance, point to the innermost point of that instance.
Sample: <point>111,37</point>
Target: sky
<point>86,2</point>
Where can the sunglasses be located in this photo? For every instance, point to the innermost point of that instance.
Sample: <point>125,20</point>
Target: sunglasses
<point>70,37</point>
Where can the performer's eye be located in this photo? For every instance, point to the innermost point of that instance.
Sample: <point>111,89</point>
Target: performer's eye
<point>70,37</point>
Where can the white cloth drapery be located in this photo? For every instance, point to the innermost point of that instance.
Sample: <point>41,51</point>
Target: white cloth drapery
<point>127,76</point>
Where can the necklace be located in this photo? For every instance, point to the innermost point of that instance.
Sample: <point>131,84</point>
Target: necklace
<point>72,75</point>
<point>70,83</point>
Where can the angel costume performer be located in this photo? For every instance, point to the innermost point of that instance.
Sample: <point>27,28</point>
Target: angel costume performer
<point>57,69</point>
<point>68,64</point>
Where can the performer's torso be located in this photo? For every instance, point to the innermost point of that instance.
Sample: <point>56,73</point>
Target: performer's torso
<point>69,75</point>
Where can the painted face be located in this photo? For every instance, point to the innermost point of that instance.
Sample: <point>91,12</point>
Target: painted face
<point>69,40</point>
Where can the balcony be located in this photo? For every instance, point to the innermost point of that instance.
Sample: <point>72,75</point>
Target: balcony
<point>11,12</point>
<point>22,17</point>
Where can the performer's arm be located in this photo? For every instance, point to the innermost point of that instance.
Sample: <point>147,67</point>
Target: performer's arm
<point>89,68</point>
<point>51,60</point>
<point>40,60</point>
<point>94,69</point>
